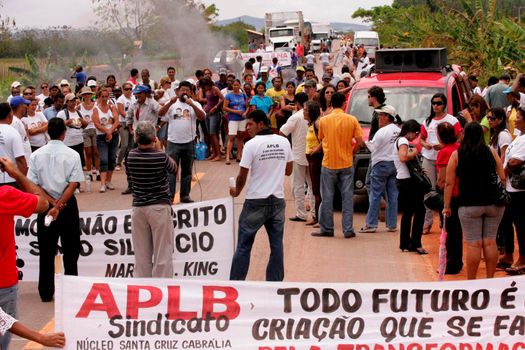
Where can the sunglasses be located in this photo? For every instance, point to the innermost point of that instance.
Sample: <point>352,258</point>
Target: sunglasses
<point>437,103</point>
<point>44,87</point>
<point>328,92</point>
<point>127,89</point>
<point>27,93</point>
<point>491,118</point>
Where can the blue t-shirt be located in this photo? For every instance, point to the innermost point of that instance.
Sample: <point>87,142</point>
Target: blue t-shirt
<point>236,102</point>
<point>81,77</point>
<point>264,103</point>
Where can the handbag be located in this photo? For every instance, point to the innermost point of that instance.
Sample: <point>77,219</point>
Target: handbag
<point>517,178</point>
<point>417,173</point>
<point>434,201</point>
<point>503,197</point>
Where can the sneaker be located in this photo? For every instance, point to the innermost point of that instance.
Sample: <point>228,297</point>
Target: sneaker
<point>118,168</point>
<point>102,189</point>
<point>368,229</point>
<point>77,191</point>
<point>110,186</point>
<point>391,229</point>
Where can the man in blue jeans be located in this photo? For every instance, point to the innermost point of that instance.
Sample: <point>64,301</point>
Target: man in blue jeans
<point>337,131</point>
<point>181,114</point>
<point>269,157</point>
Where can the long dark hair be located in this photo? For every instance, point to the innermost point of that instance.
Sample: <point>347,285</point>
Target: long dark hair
<point>498,113</point>
<point>314,111</point>
<point>473,142</point>
<point>432,114</point>
<point>322,99</point>
<point>410,125</point>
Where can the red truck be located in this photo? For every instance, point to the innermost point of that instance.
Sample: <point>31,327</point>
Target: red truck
<point>409,78</point>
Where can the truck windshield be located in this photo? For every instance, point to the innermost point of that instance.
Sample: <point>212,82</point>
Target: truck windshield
<point>281,32</point>
<point>319,36</point>
<point>409,102</point>
<point>367,41</point>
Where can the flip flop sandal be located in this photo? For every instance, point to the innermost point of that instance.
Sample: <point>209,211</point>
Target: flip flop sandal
<point>516,270</point>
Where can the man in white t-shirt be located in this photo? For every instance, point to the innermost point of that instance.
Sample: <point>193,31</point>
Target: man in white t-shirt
<point>297,127</point>
<point>181,114</point>
<point>268,158</point>
<point>19,107</point>
<point>10,144</point>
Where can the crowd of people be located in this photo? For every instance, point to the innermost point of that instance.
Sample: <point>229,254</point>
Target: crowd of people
<point>71,135</point>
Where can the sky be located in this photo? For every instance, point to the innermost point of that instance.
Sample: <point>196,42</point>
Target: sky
<point>79,14</point>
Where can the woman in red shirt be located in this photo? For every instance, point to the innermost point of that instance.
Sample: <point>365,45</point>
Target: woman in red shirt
<point>447,137</point>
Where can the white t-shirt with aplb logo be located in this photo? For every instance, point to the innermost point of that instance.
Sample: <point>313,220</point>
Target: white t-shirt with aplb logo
<point>87,115</point>
<point>182,122</point>
<point>74,131</point>
<point>34,122</point>
<point>266,156</point>
<point>11,146</point>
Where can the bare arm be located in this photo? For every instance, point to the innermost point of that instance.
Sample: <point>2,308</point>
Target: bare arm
<point>289,169</point>
<point>406,153</point>
<point>198,111</point>
<point>450,182</point>
<point>21,163</point>
<point>499,166</point>
<point>25,184</point>
<point>164,109</point>
<point>61,202</point>
<point>358,145</point>
<point>55,340</point>
<point>239,182</point>
<point>116,119</point>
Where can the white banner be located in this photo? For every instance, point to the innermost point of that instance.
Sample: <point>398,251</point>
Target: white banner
<point>284,58</point>
<point>101,313</point>
<point>203,239</point>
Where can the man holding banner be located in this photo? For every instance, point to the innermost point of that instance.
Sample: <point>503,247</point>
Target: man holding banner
<point>269,157</point>
<point>151,222</point>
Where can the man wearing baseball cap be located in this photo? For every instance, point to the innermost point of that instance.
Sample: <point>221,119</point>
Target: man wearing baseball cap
<point>15,90</point>
<point>12,146</point>
<point>299,76</point>
<point>383,174</point>
<point>19,107</point>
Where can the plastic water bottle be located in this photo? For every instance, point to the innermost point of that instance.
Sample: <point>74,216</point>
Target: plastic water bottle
<point>88,182</point>
<point>47,220</point>
<point>201,151</point>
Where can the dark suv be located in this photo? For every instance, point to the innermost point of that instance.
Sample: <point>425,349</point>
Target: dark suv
<point>409,78</point>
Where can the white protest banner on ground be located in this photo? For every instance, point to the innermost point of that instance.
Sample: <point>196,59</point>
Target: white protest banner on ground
<point>203,242</point>
<point>103,313</point>
<point>284,58</point>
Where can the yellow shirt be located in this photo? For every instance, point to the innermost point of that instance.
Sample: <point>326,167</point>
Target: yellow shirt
<point>276,97</point>
<point>311,139</point>
<point>512,122</point>
<point>337,131</point>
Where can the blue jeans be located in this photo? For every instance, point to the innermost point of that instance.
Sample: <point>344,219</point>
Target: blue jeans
<point>267,212</point>
<point>107,152</point>
<point>182,154</point>
<point>344,179</point>
<point>382,180</point>
<point>8,303</point>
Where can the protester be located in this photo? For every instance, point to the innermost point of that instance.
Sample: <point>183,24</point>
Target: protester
<point>325,99</point>
<point>106,122</point>
<point>13,202</point>
<point>126,139</point>
<point>236,105</point>
<point>299,76</point>
<point>297,126</point>
<point>454,244</point>
<point>268,158</point>
<point>260,101</point>
<point>287,104</point>
<point>19,107</point>
<point>383,173</point>
<point>276,92</point>
<point>151,221</point>
<point>181,114</point>
<point>430,144</point>
<point>57,169</point>
<point>214,102</point>
<point>80,76</point>
<point>58,104</point>
<point>337,131</point>
<point>75,124</point>
<point>514,161</point>
<point>410,192</point>
<point>36,125</point>
<point>500,139</point>
<point>477,168</point>
<point>88,109</point>
<point>495,96</point>
<point>314,153</point>
<point>15,90</point>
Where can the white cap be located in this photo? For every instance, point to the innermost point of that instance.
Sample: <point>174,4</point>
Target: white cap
<point>346,75</point>
<point>191,81</point>
<point>15,84</point>
<point>387,109</point>
<point>91,83</point>
<point>264,69</point>
<point>64,82</point>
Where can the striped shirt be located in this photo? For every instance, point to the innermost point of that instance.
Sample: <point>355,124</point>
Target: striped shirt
<point>338,130</point>
<point>147,171</point>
